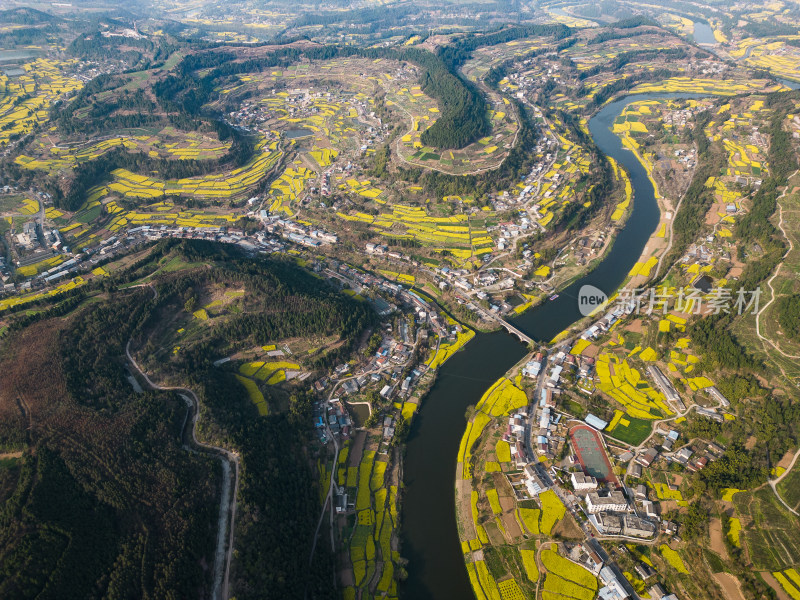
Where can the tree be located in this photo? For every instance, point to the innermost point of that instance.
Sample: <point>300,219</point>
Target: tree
<point>401,430</point>
<point>373,343</point>
<point>695,522</point>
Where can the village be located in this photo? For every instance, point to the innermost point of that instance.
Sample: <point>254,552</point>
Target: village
<point>614,490</point>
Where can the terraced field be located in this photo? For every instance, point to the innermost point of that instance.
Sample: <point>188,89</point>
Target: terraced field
<point>224,185</point>
<point>11,301</point>
<point>25,100</point>
<point>714,87</point>
<point>188,146</point>
<point>460,236</point>
<point>370,542</point>
<point>768,530</point>
<point>790,582</point>
<point>160,213</point>
<point>501,399</point>
<point>789,488</point>
<point>630,123</point>
<point>775,56</point>
<point>566,579</point>
<point>627,386</point>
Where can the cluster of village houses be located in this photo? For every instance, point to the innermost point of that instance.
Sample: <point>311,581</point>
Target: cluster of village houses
<point>35,244</point>
<point>303,103</point>
<point>607,509</point>
<point>298,233</point>
<point>591,555</point>
<point>384,370</point>
<point>106,250</point>
<point>539,430</point>
<point>613,512</point>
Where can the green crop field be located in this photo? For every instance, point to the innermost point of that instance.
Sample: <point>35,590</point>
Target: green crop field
<point>633,434</point>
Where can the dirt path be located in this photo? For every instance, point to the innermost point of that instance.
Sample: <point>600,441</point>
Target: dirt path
<point>333,488</point>
<point>398,142</point>
<point>788,468</point>
<point>671,230</point>
<point>540,564</point>
<point>464,507</point>
<point>227,506</point>
<point>773,483</point>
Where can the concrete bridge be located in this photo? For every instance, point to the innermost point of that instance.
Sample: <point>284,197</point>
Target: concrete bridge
<point>523,337</point>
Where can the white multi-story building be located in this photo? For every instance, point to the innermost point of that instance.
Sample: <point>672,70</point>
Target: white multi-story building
<point>613,501</point>
<point>582,482</point>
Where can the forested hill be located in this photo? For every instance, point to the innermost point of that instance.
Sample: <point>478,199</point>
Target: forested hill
<point>105,501</point>
<point>102,503</point>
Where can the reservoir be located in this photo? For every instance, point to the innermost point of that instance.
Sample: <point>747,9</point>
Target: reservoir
<point>703,34</point>
<point>430,540</point>
<point>19,55</point>
<point>295,134</point>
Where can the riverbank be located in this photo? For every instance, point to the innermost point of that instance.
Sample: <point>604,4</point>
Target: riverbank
<point>431,538</point>
<point>490,510</point>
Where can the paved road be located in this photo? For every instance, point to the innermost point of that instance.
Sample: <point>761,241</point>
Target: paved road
<point>490,316</point>
<point>227,508</point>
<point>774,275</point>
<point>773,483</point>
<point>529,446</point>
<point>41,215</point>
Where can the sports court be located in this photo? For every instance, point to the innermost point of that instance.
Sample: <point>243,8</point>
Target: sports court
<point>591,455</point>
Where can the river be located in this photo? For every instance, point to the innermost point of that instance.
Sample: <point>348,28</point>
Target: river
<point>429,537</point>
<point>703,34</point>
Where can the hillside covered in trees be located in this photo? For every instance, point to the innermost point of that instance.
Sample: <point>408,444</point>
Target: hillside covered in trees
<point>102,498</point>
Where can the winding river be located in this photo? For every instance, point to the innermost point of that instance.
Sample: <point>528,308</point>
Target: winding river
<point>430,538</point>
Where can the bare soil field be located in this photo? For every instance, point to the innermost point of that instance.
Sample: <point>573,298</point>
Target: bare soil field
<point>773,583</point>
<point>357,449</point>
<point>717,543</point>
<point>785,461</point>
<point>729,585</point>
